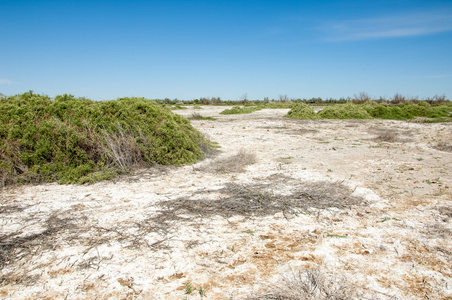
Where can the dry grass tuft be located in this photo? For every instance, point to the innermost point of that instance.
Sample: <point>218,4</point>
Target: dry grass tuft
<point>389,136</point>
<point>233,164</point>
<point>443,147</point>
<point>311,285</point>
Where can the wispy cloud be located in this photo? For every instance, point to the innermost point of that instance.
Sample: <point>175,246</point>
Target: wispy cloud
<point>5,81</point>
<point>388,27</point>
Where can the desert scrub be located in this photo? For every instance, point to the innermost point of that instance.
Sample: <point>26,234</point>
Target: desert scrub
<point>240,110</point>
<point>301,111</point>
<point>73,140</point>
<point>344,111</point>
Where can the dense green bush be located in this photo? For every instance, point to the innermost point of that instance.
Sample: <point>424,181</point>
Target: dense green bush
<point>408,111</point>
<point>301,111</point>
<point>369,110</point>
<point>78,140</point>
<point>240,110</point>
<point>343,111</point>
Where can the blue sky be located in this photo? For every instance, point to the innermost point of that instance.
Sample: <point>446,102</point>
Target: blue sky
<point>191,49</point>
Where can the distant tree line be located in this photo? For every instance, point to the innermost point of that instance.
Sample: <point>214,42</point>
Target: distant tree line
<point>356,99</point>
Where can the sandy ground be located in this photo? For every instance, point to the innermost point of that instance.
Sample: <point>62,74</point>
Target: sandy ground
<point>366,203</point>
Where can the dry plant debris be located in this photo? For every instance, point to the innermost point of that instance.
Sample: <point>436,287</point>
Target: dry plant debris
<point>233,164</point>
<point>259,200</point>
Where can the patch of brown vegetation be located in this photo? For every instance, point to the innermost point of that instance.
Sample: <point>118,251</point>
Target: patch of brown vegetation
<point>232,164</point>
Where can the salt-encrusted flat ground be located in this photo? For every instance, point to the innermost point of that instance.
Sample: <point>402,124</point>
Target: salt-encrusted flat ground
<point>368,204</point>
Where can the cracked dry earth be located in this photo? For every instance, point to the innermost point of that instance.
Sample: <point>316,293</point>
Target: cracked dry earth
<point>368,204</point>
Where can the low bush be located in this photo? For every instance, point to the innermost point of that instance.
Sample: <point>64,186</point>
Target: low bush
<point>344,111</point>
<point>196,116</point>
<point>405,111</point>
<point>240,110</point>
<point>408,111</point>
<point>75,140</point>
<point>302,111</point>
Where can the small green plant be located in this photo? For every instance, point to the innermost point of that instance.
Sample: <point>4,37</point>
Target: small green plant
<point>249,231</point>
<point>336,236</point>
<point>188,288</point>
<point>388,219</point>
<point>201,292</point>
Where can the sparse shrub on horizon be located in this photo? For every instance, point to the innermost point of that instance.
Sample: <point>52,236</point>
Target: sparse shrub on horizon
<point>74,140</point>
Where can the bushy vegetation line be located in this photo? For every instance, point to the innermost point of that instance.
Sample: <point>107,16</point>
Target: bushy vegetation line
<point>75,140</point>
<point>370,110</point>
<point>285,102</point>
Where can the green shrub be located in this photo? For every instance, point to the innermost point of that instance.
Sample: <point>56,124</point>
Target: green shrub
<point>408,111</point>
<point>301,111</point>
<point>344,111</point>
<point>240,110</point>
<point>78,140</point>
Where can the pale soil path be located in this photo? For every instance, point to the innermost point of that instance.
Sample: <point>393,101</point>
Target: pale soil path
<point>376,213</point>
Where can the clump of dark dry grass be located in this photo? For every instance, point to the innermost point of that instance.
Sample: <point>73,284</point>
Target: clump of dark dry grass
<point>387,136</point>
<point>390,135</point>
<point>443,147</point>
<point>232,164</point>
<point>311,284</point>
